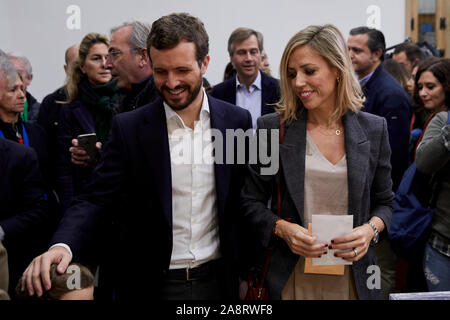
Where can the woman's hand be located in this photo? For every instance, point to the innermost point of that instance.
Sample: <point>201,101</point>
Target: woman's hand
<point>358,242</point>
<point>299,241</point>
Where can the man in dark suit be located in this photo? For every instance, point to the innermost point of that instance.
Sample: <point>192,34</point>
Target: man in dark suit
<point>23,213</point>
<point>182,215</point>
<point>384,97</point>
<point>251,88</point>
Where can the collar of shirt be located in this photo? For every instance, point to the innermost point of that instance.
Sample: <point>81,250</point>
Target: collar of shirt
<point>255,85</point>
<point>364,80</point>
<point>174,121</point>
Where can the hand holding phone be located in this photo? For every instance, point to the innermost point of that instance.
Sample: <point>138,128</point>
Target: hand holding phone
<point>87,143</point>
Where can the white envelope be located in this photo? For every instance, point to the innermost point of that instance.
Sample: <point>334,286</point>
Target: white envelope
<point>326,227</point>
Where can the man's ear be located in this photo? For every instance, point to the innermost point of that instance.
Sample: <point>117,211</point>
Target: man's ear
<point>205,64</point>
<point>144,60</point>
<point>378,53</point>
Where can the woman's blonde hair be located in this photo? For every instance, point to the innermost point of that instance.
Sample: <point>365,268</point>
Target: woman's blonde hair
<point>74,74</point>
<point>329,43</point>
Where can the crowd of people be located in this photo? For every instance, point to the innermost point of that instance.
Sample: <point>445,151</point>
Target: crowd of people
<point>347,118</point>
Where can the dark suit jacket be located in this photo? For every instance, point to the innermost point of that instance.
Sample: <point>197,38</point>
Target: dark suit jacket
<point>23,213</point>
<point>386,98</point>
<point>369,184</point>
<point>135,170</point>
<point>270,92</point>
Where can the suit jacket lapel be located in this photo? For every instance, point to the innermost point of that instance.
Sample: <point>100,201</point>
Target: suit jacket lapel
<point>221,171</point>
<point>358,153</point>
<point>155,145</point>
<point>232,90</point>
<point>292,156</point>
<point>265,90</point>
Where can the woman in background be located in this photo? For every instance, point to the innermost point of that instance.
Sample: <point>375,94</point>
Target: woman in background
<point>92,95</point>
<point>433,157</point>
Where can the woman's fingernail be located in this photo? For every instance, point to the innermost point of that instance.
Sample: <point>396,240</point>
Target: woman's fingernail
<point>330,247</point>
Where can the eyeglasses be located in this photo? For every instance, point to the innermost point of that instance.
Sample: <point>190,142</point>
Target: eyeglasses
<point>113,54</point>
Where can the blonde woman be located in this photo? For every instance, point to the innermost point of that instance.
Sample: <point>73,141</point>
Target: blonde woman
<point>92,98</point>
<point>334,159</point>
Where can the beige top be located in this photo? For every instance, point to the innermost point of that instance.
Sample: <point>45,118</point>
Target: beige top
<point>326,192</point>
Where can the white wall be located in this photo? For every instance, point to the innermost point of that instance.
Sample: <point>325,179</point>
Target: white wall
<point>38,28</point>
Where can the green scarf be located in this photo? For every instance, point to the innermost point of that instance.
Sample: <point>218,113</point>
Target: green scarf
<point>99,100</point>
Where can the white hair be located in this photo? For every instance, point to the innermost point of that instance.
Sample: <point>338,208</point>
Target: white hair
<point>21,57</point>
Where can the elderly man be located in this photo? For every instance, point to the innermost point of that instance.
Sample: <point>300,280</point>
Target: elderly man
<point>130,66</point>
<point>23,67</point>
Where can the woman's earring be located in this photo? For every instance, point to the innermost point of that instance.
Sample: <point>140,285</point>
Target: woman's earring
<point>338,79</point>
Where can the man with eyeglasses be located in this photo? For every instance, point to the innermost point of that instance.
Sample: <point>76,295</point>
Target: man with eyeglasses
<point>130,66</point>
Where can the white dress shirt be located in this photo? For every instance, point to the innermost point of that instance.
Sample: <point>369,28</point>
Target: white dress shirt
<point>194,200</point>
<point>250,99</point>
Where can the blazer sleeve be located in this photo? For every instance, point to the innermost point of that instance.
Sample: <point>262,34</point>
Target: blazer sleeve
<point>431,154</point>
<point>381,195</point>
<point>396,109</point>
<point>83,216</point>
<point>32,207</point>
<point>257,192</point>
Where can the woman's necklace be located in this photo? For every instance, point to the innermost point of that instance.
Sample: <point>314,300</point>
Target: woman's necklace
<point>337,132</point>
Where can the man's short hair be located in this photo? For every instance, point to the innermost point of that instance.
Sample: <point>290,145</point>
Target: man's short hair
<point>138,36</point>
<point>376,39</point>
<point>241,34</point>
<point>168,31</point>
<point>21,57</point>
<point>412,51</point>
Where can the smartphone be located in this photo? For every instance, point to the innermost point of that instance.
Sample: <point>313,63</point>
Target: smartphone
<point>87,142</point>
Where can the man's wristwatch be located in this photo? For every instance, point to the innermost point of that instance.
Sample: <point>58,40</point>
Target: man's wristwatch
<point>377,234</point>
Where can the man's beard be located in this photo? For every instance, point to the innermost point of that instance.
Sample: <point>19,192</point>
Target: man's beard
<point>192,95</point>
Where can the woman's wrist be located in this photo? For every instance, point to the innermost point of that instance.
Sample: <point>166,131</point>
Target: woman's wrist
<point>279,228</point>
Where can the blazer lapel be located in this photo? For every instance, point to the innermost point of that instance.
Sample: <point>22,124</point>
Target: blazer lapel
<point>292,156</point>
<point>155,145</point>
<point>358,153</point>
<point>221,171</point>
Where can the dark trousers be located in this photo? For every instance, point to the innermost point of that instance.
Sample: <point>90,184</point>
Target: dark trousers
<point>206,287</point>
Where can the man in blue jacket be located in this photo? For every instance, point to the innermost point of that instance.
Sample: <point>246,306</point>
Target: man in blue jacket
<point>384,95</point>
<point>182,217</point>
<point>250,88</point>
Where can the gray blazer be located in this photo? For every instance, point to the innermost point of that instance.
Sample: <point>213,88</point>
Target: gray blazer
<point>369,182</point>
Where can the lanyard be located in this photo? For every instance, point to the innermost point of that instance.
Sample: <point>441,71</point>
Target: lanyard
<point>23,140</point>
